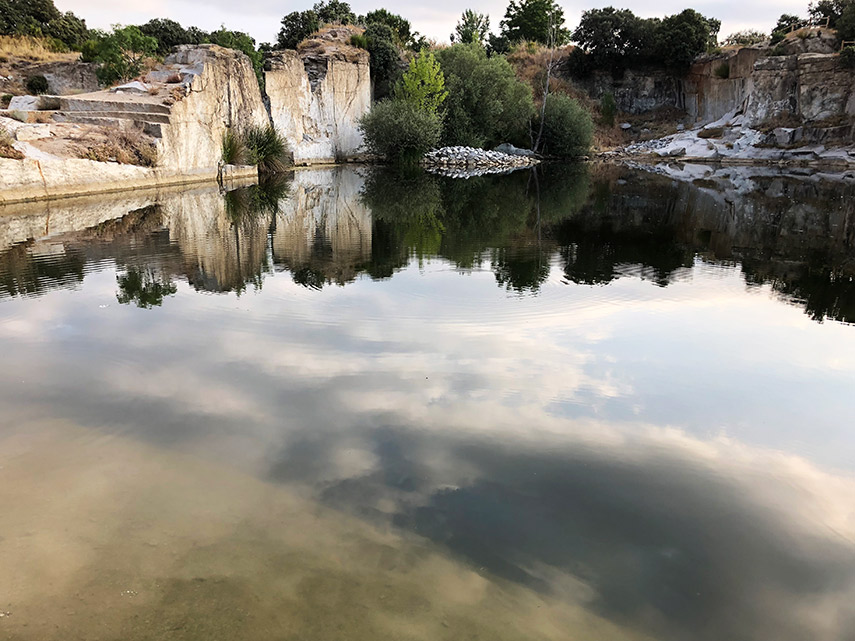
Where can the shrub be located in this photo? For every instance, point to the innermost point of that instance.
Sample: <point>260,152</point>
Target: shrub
<point>121,53</point>
<point>36,85</point>
<point>6,146</point>
<point>722,71</point>
<point>399,130</point>
<point>567,127</point>
<point>5,99</point>
<point>486,103</point>
<point>359,40</point>
<point>846,23</point>
<point>266,148</point>
<point>234,150</point>
<point>608,109</point>
<point>847,56</point>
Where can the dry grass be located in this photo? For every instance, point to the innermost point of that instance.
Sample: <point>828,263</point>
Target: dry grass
<point>33,49</point>
<point>6,148</point>
<point>126,148</point>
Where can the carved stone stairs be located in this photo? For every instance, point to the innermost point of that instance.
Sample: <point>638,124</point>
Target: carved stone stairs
<point>145,115</point>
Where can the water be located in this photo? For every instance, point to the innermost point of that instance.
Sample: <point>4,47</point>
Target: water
<point>584,403</point>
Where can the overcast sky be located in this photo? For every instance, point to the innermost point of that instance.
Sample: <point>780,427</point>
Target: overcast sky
<point>436,19</point>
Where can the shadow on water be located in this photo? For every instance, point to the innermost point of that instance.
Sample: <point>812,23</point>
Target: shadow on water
<point>594,223</point>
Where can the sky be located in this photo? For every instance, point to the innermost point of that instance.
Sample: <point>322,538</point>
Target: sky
<point>260,18</point>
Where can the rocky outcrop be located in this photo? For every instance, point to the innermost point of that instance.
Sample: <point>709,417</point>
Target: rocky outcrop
<point>317,96</point>
<point>715,86</point>
<point>636,91</point>
<point>807,87</point>
<point>220,93</point>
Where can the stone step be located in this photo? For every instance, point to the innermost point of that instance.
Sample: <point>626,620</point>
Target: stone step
<point>68,116</point>
<point>154,129</point>
<point>73,103</point>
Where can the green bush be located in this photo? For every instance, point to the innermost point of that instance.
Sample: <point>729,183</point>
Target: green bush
<point>121,53</point>
<point>608,109</point>
<point>266,148</point>
<point>359,40</point>
<point>486,103</point>
<point>385,60</point>
<point>234,150</point>
<point>567,127</point>
<point>36,85</point>
<point>399,130</point>
<point>847,56</point>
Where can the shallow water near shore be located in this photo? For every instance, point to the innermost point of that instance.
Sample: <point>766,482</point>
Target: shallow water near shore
<point>583,402</point>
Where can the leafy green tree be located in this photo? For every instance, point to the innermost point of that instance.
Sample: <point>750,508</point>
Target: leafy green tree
<point>533,20</point>
<point>121,53</point>
<point>69,29</point>
<point>614,37</point>
<point>399,130</point>
<point>486,103</point>
<point>385,60</point>
<point>169,34</point>
<point>683,37</point>
<point>296,27</point>
<point>567,127</point>
<point>785,24</point>
<point>830,10</point>
<point>335,12</point>
<point>423,84</point>
<point>400,26</point>
<point>473,27</point>
<point>846,23</point>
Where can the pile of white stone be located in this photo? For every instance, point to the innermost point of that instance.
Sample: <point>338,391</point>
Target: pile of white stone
<point>472,158</point>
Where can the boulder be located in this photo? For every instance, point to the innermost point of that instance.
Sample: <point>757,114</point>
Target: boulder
<point>25,103</point>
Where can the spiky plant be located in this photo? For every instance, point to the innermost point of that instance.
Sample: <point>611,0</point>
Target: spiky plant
<point>267,148</point>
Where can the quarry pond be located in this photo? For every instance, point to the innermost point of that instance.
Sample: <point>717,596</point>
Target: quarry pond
<point>572,402</point>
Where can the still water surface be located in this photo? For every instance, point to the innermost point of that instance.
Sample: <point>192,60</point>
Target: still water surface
<point>582,403</point>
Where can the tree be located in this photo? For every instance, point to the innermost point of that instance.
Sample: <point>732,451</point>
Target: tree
<point>385,61</point>
<point>169,34</point>
<point>399,130</point>
<point>423,84</point>
<point>532,19</point>
<point>296,27</point>
<point>486,103</point>
<point>683,37</point>
<point>334,12</point>
<point>614,37</point>
<point>69,29</point>
<point>121,53</point>
<point>567,127</point>
<point>473,27</point>
<point>846,23</point>
<point>786,23</point>
<point>830,10</point>
<point>400,26</point>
